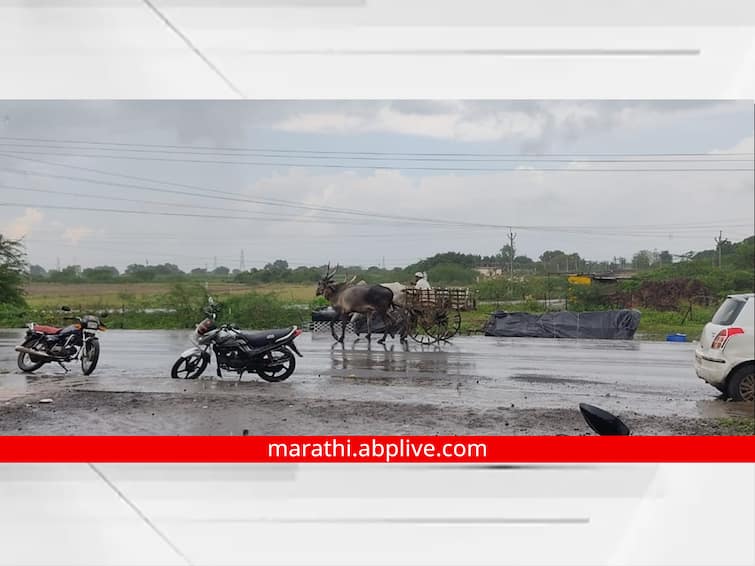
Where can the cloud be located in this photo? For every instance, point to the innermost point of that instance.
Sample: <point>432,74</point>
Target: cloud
<point>447,121</point>
<point>76,234</point>
<point>526,198</point>
<point>531,123</point>
<point>23,225</point>
<point>746,145</point>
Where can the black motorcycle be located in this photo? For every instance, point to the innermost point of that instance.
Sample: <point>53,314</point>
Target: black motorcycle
<point>78,341</point>
<point>268,353</point>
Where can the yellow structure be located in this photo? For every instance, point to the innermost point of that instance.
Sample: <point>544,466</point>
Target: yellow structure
<point>580,280</point>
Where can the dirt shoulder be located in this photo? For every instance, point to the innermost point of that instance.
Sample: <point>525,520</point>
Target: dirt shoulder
<point>79,412</point>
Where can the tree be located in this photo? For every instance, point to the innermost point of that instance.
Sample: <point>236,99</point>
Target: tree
<point>744,254</point>
<point>550,259</point>
<point>277,265</point>
<point>451,274</point>
<point>37,272</point>
<point>465,260</point>
<point>68,274</point>
<point>643,259</point>
<point>522,261</point>
<point>665,258</point>
<point>101,273</point>
<point>12,271</point>
<point>221,271</point>
<point>556,260</point>
<point>139,272</point>
<point>507,255</point>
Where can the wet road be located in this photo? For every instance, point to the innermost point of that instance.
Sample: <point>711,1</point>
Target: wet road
<point>648,378</point>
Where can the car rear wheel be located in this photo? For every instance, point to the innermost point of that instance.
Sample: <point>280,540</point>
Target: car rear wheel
<point>742,384</point>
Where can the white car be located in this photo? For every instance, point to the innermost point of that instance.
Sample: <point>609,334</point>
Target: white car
<point>725,357</point>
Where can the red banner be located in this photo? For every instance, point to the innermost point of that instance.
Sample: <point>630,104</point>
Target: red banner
<point>377,449</point>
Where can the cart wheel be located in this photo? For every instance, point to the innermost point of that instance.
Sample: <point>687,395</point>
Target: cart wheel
<point>454,324</point>
<point>431,327</point>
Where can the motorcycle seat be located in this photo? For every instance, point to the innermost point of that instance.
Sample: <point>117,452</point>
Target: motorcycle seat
<point>47,329</point>
<point>264,337</point>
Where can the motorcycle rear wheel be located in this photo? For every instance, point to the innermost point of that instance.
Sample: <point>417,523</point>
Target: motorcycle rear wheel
<point>279,365</point>
<point>25,361</point>
<point>189,367</point>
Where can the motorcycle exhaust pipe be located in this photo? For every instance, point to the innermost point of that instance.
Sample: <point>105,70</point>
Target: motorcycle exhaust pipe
<point>35,353</point>
<point>294,348</point>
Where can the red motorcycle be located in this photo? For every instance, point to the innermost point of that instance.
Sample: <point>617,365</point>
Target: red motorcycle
<point>46,344</point>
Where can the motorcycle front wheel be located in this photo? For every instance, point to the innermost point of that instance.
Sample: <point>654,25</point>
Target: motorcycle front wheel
<point>28,362</point>
<point>90,356</point>
<point>189,367</point>
<point>278,365</point>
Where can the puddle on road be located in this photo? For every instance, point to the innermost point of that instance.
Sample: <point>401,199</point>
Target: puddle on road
<point>437,363</point>
<point>541,378</point>
<point>718,408</point>
<point>394,380</point>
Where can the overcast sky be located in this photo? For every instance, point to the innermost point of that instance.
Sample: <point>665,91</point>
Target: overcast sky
<point>308,153</point>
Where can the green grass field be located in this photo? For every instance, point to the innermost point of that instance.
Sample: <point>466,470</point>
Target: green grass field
<point>117,295</point>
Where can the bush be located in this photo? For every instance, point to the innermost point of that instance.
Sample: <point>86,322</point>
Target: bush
<point>187,300</point>
<point>254,311</point>
<point>451,274</point>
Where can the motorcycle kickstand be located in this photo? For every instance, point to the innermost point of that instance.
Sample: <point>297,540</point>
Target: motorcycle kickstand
<point>65,369</point>
<point>241,373</point>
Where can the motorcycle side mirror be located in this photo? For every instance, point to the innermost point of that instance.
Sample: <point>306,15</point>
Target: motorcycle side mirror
<point>603,422</point>
<point>65,308</point>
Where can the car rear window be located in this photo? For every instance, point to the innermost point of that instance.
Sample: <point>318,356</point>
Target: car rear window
<point>727,313</point>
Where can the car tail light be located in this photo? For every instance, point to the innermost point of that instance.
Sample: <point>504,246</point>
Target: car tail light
<point>722,337</point>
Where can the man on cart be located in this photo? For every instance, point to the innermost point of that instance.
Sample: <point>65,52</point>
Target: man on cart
<point>420,281</point>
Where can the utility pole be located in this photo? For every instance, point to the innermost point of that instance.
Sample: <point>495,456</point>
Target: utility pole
<point>242,265</point>
<point>512,238</point>
<point>215,262</point>
<point>718,247</point>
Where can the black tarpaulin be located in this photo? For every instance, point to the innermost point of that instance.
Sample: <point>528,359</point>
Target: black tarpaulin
<point>608,325</point>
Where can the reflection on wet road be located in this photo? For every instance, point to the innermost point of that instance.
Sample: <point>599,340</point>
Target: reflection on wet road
<point>653,378</point>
